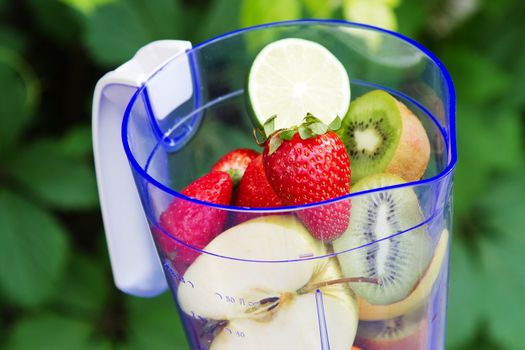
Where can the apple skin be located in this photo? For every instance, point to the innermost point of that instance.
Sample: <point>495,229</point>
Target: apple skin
<point>417,340</point>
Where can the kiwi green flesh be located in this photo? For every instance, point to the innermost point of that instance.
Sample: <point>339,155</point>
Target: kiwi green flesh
<point>393,329</point>
<point>397,262</point>
<point>371,131</point>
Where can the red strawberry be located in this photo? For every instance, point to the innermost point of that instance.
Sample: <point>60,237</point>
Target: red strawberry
<point>192,223</point>
<point>310,165</point>
<point>235,163</point>
<point>254,191</point>
<point>180,255</point>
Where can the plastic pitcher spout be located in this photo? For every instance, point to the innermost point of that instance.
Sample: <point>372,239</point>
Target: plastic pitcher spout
<point>135,264</point>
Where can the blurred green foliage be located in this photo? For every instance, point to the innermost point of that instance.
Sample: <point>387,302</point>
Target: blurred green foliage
<point>55,285</point>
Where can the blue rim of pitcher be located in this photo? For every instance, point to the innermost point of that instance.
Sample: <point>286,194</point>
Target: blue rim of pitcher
<point>450,140</point>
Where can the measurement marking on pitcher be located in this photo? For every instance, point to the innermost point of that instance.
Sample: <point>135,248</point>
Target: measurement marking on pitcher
<point>237,333</point>
<point>176,275</point>
<point>306,255</point>
<point>199,318</point>
<point>233,300</point>
<point>220,297</point>
<point>205,323</point>
<point>228,299</point>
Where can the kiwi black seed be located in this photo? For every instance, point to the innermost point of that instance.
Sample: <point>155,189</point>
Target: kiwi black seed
<point>371,131</point>
<point>397,261</point>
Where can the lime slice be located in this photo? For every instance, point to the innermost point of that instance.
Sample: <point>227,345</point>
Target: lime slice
<point>292,77</point>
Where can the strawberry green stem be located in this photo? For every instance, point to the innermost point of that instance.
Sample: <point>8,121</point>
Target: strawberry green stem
<point>259,133</point>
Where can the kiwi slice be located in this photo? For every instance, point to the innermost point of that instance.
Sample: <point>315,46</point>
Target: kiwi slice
<point>397,262</point>
<point>401,333</point>
<point>382,135</point>
<point>371,131</point>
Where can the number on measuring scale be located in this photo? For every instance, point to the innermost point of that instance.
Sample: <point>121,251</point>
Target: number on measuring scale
<point>176,276</point>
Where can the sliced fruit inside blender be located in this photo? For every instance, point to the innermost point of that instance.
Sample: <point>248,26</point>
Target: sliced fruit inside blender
<point>409,331</point>
<point>268,282</point>
<point>382,135</point>
<point>272,304</point>
<point>417,297</point>
<point>397,261</point>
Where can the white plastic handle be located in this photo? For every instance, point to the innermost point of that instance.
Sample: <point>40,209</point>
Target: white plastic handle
<point>136,266</point>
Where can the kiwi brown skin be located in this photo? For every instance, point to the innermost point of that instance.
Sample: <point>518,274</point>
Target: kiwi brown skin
<point>412,155</point>
<point>415,341</point>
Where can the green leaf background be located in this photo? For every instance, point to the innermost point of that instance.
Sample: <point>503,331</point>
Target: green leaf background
<point>33,248</point>
<point>56,290</point>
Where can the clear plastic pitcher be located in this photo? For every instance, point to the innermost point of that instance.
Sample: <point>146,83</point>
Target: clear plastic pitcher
<point>162,119</point>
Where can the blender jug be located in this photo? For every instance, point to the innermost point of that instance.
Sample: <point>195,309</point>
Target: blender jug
<point>163,118</point>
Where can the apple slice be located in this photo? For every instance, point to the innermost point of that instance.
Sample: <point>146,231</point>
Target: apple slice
<point>270,304</point>
<point>419,294</point>
<point>295,326</point>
